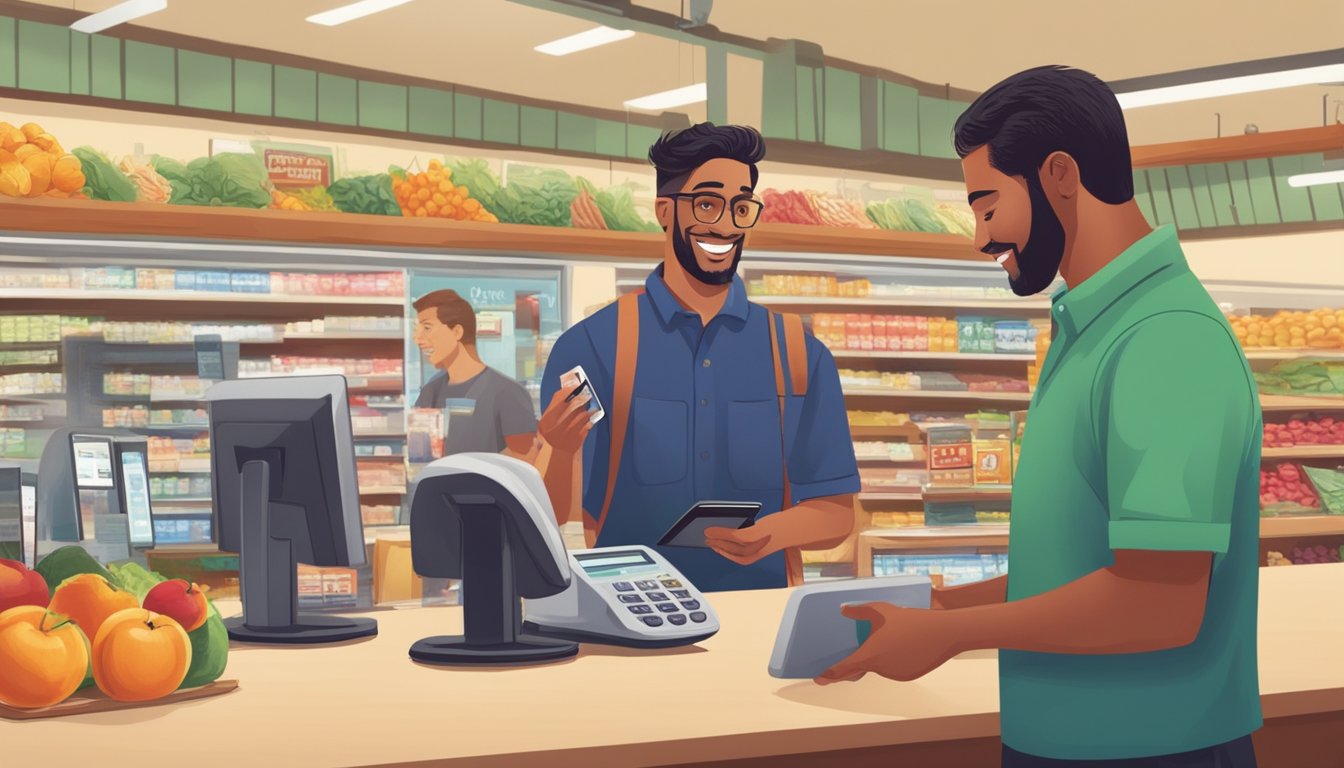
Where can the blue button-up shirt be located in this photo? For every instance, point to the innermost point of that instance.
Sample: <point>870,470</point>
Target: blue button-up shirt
<point>705,426</point>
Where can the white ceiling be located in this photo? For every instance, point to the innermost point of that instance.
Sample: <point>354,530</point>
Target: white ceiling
<point>970,44</point>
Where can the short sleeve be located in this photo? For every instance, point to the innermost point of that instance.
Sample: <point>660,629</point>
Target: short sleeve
<point>822,460</point>
<point>516,416</point>
<point>1176,417</point>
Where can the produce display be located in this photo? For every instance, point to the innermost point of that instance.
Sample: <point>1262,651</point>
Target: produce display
<point>1318,329</point>
<point>33,164</point>
<point>316,198</point>
<point>149,185</point>
<point>1317,378</point>
<point>1304,430</point>
<point>135,635</point>
<point>534,195</point>
<point>1313,555</point>
<point>916,214</point>
<point>287,202</point>
<point>432,194</point>
<point>366,194</point>
<point>1286,490</point>
<point>617,204</point>
<point>583,212</point>
<point>228,179</point>
<point>104,180</point>
<point>813,208</point>
<point>1329,483</point>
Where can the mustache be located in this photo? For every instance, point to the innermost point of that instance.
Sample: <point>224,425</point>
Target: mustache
<point>994,247</point>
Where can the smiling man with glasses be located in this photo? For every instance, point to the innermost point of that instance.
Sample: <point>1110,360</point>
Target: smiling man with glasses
<point>699,417</point>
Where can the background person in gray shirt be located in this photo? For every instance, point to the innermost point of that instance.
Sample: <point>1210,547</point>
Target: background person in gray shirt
<point>488,412</point>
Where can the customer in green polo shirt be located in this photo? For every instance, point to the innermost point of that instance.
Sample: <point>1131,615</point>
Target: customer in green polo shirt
<point>1127,623</point>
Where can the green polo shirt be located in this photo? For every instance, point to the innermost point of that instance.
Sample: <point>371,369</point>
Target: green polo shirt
<point>1144,433</point>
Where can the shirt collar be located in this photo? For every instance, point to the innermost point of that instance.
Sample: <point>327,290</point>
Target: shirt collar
<point>669,309</point>
<point>1076,309</point>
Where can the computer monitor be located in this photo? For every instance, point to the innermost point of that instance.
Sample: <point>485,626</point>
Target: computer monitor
<point>285,492</point>
<point>11,512</point>
<point>133,492</point>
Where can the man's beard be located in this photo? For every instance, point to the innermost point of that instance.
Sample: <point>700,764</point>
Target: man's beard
<point>1038,263</point>
<point>685,252</point>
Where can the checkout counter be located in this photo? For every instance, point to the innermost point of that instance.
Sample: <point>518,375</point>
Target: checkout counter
<point>364,703</point>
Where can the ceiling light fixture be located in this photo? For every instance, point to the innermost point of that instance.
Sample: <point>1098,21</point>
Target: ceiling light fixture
<point>1231,79</point>
<point>1312,179</point>
<point>354,11</point>
<point>676,97</point>
<point>584,40</point>
<point>118,14</point>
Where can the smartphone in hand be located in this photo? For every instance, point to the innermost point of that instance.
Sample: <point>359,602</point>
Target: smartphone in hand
<point>575,377</point>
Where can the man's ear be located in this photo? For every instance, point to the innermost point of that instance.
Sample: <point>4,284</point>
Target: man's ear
<point>1059,173</point>
<point>459,332</point>
<point>663,210</point>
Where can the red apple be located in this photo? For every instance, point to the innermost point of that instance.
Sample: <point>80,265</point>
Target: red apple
<point>180,601</point>
<point>21,586</point>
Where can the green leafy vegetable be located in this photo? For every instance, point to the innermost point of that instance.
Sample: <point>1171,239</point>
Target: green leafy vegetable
<point>540,196</point>
<point>476,176</point>
<point>1329,484</point>
<point>133,578</point>
<point>617,205</point>
<point>230,179</point>
<point>103,180</point>
<point>366,194</point>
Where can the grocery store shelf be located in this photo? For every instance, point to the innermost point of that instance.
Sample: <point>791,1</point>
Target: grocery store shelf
<point>190,297</point>
<point>171,428</point>
<point>170,501</point>
<point>353,336</point>
<point>968,356</point>
<point>372,533</point>
<point>375,490</point>
<point>1290,403</point>
<point>1299,141</point>
<point>956,394</point>
<point>394,457</point>
<point>377,436</point>
<point>179,471</point>
<point>1288,527</point>
<point>980,493</point>
<point>1304,452</point>
<point>883,431</point>
<point>1262,353</point>
<point>930,302</point>
<point>891,496</point>
<point>939,537</point>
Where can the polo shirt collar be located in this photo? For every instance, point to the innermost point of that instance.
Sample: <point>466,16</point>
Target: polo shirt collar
<point>669,309</point>
<point>1076,309</point>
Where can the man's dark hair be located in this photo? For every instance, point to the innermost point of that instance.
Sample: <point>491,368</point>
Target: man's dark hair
<point>452,310</point>
<point>1052,109</point>
<point>677,154</point>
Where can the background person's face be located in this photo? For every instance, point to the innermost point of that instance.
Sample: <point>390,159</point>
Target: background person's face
<point>437,341</point>
<point>708,252</point>
<point>1014,224</point>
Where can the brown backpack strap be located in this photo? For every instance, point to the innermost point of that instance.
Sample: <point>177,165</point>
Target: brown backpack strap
<point>627,354</point>
<point>796,342</point>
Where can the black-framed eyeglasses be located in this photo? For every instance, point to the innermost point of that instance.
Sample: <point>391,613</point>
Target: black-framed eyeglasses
<point>708,208</point>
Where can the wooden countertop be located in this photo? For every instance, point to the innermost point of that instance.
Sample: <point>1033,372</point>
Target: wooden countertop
<point>366,703</point>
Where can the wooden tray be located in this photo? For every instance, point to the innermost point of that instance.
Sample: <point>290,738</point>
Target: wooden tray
<point>91,700</point>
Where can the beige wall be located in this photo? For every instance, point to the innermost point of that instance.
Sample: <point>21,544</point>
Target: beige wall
<point>1309,259</point>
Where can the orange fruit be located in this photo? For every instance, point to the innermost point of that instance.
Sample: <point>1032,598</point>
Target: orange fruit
<point>44,657</point>
<point>139,655</point>
<point>88,599</point>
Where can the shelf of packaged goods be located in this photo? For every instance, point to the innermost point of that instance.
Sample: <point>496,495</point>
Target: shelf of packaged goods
<point>1294,403</point>
<point>375,490</point>
<point>1289,527</point>
<point>342,336</point>
<point>842,354</point>
<point>1304,452</point>
<point>191,297</point>
<point>30,397</point>
<point>903,302</point>
<point>875,459</point>
<point>172,429</point>
<point>938,537</point>
<point>1262,353</point>
<point>398,457</point>
<point>371,435</point>
<point>938,394</point>
<point>89,217</point>
<point>878,431</point>
<point>179,471</point>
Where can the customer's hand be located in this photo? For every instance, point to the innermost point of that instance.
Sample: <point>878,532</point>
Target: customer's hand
<point>565,424</point>
<point>905,644</point>
<point>743,546</point>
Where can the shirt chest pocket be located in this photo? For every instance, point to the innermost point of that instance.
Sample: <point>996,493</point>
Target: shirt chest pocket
<point>754,457</point>
<point>658,430</point>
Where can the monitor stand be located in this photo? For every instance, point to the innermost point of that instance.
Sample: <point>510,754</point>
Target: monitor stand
<point>491,609</point>
<point>270,580</point>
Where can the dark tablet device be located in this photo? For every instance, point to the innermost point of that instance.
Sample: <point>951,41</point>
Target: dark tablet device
<point>689,531</point>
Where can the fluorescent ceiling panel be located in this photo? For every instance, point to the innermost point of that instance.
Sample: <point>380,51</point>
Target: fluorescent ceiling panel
<point>584,40</point>
<point>1228,86</point>
<point>354,11</point>
<point>118,14</point>
<point>676,97</point>
<point>1312,179</point>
